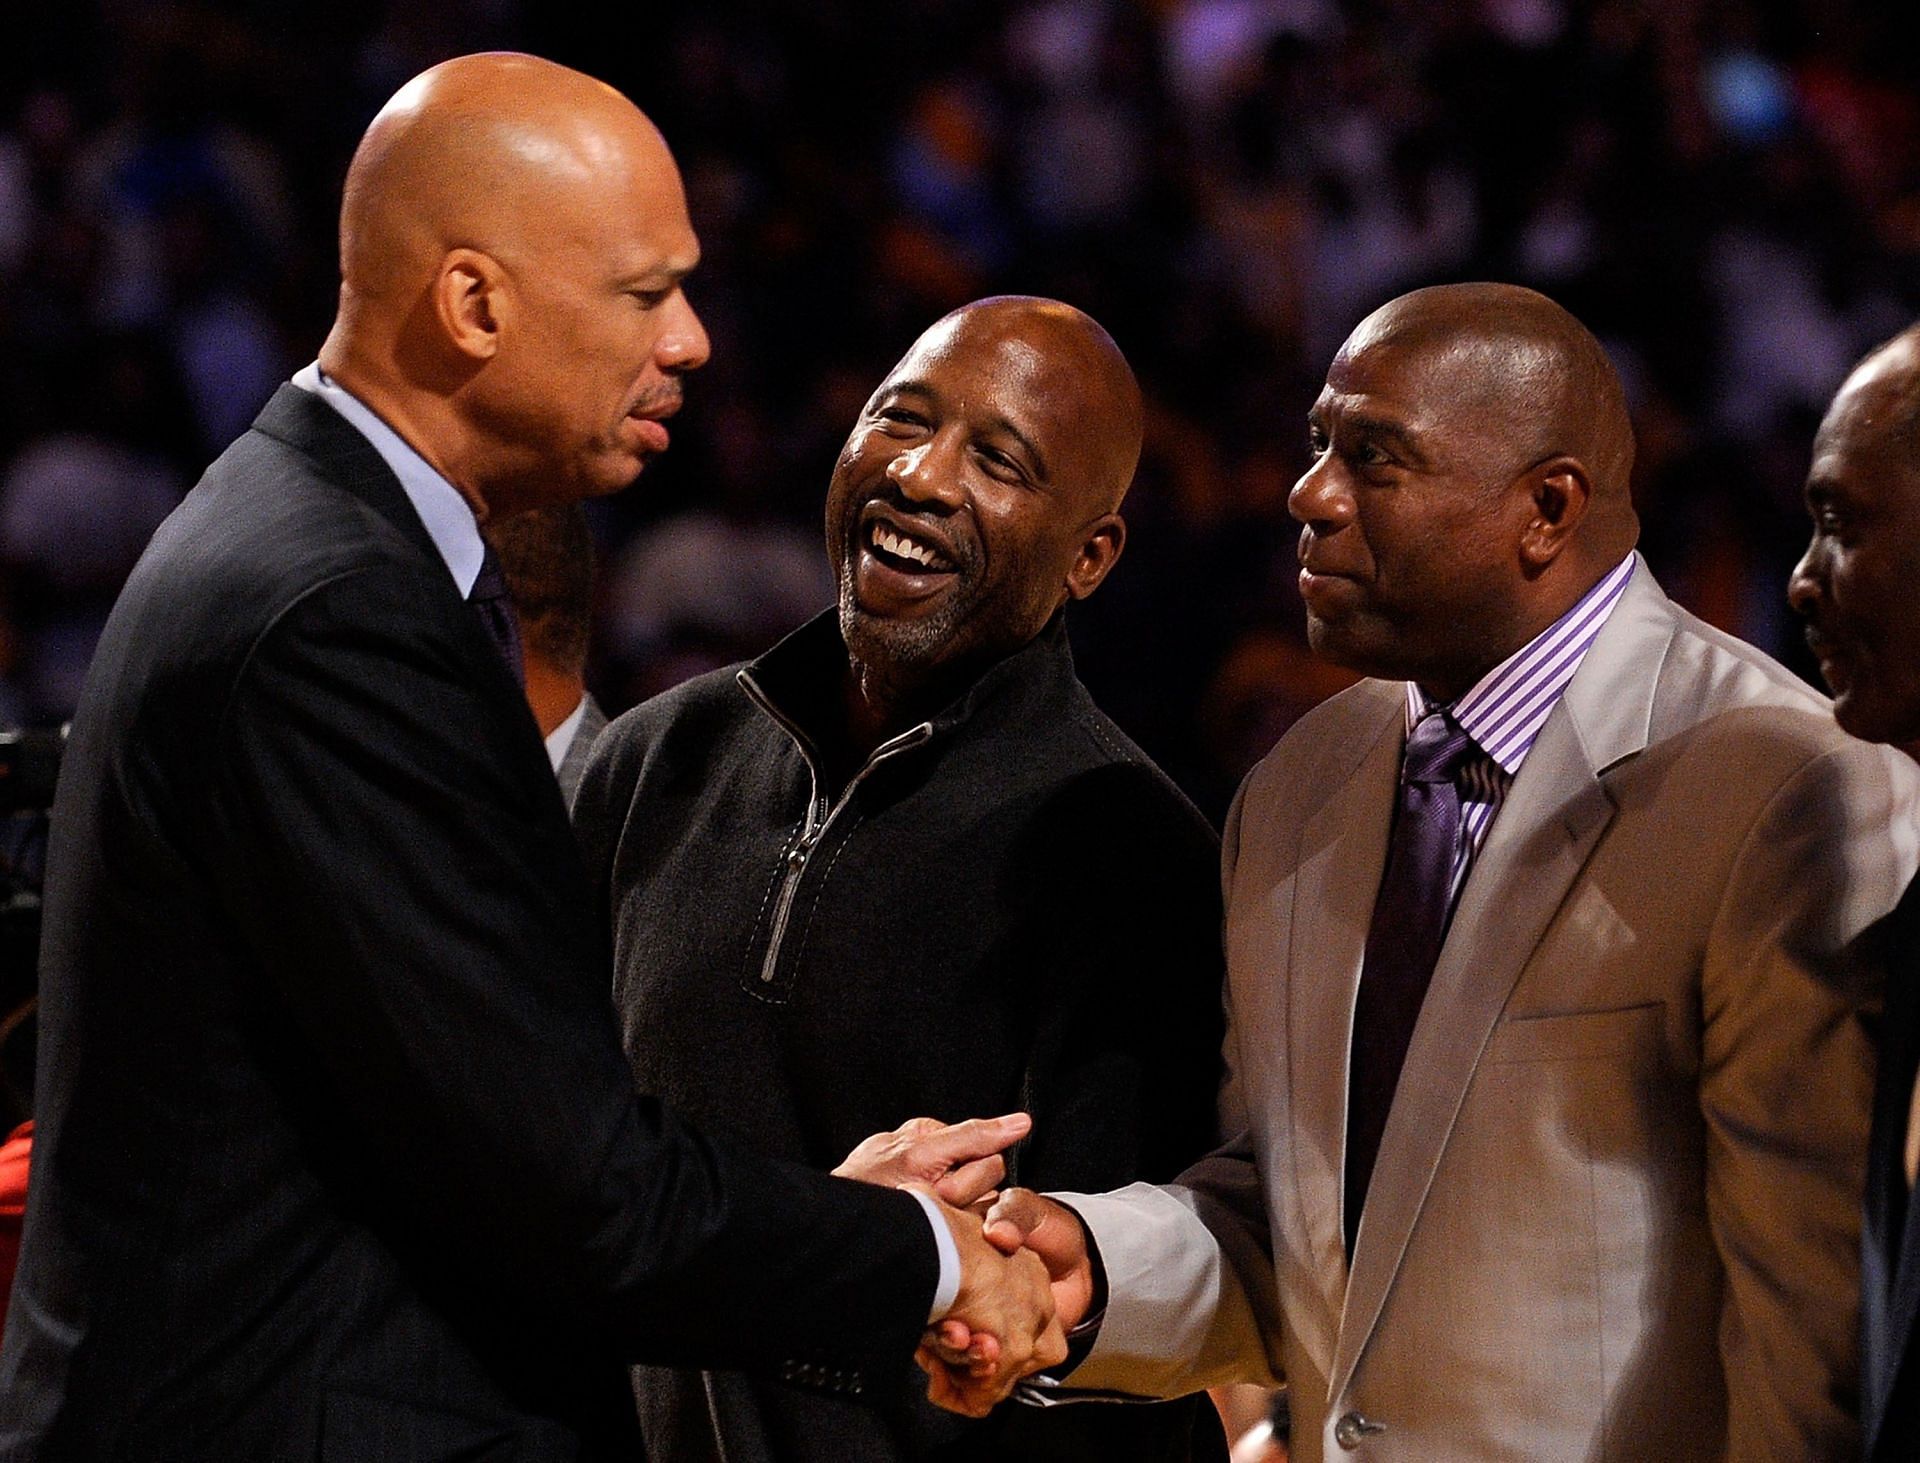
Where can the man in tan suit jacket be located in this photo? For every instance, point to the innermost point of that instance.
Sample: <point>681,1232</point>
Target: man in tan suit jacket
<point>1613,1210</point>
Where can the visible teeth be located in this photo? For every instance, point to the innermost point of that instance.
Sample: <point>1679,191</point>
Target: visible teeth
<point>905,548</point>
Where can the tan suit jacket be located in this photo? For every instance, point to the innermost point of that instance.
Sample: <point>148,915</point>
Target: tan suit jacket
<point>1615,1210</point>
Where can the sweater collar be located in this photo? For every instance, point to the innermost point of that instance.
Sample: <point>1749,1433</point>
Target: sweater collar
<point>801,679</point>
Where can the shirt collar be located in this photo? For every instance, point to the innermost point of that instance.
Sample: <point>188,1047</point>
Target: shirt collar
<point>1506,708</point>
<point>448,519</point>
<point>560,739</point>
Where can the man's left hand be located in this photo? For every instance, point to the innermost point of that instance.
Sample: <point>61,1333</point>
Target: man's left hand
<point>960,1161</point>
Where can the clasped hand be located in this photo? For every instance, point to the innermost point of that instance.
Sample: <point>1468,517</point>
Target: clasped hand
<point>1024,1274</point>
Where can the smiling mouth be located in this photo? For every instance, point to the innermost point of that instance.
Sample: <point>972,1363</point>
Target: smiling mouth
<point>901,551</point>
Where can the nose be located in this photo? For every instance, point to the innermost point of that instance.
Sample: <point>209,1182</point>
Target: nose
<point>682,344</point>
<point>1804,584</point>
<point>925,473</point>
<point>1320,498</point>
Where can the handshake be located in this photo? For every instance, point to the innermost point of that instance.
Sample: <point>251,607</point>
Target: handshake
<point>1025,1276</point>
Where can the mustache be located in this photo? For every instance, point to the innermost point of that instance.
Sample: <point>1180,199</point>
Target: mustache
<point>660,400</point>
<point>942,528</point>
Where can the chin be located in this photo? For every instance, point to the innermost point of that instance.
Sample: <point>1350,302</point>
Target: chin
<point>897,644</point>
<point>1898,726</point>
<point>601,485</point>
<point>1336,647</point>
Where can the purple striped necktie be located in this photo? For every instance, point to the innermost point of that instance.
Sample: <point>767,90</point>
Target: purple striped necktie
<point>1403,941</point>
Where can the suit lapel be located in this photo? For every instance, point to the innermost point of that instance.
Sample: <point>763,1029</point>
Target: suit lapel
<point>1341,859</point>
<point>304,421</point>
<point>347,460</point>
<point>1553,816</point>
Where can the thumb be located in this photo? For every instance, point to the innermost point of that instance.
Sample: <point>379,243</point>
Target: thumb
<point>1011,1222</point>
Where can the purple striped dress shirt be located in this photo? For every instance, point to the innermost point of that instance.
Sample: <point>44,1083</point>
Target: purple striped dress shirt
<point>1506,708</point>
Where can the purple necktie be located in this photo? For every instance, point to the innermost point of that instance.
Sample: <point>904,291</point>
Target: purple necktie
<point>489,596</point>
<point>1403,942</point>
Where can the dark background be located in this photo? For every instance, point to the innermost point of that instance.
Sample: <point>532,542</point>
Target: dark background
<point>1728,193</point>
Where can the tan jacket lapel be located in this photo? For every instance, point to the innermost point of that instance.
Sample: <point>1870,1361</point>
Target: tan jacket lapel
<point>1341,859</point>
<point>1553,816</point>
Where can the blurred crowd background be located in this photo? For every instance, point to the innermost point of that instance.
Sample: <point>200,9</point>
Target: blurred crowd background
<point>1727,191</point>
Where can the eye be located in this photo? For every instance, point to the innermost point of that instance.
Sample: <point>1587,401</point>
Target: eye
<point>899,421</point>
<point>1000,465</point>
<point>650,299</point>
<point>1316,438</point>
<point>1831,518</point>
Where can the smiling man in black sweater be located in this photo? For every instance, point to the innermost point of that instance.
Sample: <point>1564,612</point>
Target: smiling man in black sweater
<point>901,865</point>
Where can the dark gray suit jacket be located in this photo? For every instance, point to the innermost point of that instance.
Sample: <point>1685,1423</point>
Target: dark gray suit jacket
<point>337,1155</point>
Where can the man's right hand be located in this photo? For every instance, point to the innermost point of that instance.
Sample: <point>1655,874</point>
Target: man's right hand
<point>957,1355</point>
<point>1022,1219</point>
<point>1002,1318</point>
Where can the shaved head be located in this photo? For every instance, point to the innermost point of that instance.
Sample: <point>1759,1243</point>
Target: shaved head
<point>482,152</point>
<point>1472,481</point>
<point>1069,358</point>
<point>1535,375</point>
<point>513,237</point>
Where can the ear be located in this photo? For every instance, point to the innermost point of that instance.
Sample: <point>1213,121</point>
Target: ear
<point>471,299</point>
<point>1099,552</point>
<point>1558,494</point>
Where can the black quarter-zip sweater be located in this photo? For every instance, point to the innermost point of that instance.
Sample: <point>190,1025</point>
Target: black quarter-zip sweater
<point>1006,907</point>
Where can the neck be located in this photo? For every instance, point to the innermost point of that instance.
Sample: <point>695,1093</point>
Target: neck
<point>553,694</point>
<point>1528,623</point>
<point>881,704</point>
<point>425,422</point>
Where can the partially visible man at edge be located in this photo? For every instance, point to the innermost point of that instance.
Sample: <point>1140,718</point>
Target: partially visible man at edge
<point>1858,588</point>
<point>901,864</point>
<point>1602,1202</point>
<point>338,1152</point>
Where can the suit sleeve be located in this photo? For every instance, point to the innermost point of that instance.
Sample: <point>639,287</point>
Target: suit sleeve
<point>1785,1089</point>
<point>397,859</point>
<point>1192,1301</point>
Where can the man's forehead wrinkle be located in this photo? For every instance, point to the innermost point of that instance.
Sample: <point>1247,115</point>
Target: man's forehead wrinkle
<point>1398,400</point>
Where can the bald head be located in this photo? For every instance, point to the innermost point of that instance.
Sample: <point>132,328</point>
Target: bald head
<point>1473,457</point>
<point>1069,363</point>
<point>1535,377</point>
<point>513,237</point>
<point>482,152</point>
<point>1884,389</point>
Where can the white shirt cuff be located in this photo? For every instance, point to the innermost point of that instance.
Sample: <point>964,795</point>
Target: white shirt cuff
<point>945,1292</point>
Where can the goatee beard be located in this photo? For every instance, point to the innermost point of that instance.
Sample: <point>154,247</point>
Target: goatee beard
<point>905,645</point>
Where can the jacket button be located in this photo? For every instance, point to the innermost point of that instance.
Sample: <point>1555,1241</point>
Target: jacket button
<point>1352,1428</point>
